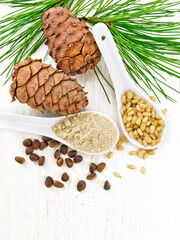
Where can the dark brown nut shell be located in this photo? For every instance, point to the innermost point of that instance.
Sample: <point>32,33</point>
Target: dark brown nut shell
<point>92,167</point>
<point>54,143</point>
<point>20,160</point>
<point>29,150</point>
<point>91,176</point>
<point>81,185</point>
<point>60,162</point>
<point>34,157</point>
<point>101,166</point>
<point>64,149</point>
<point>46,139</point>
<point>78,159</point>
<point>58,184</point>
<point>41,161</point>
<point>43,145</point>
<point>36,144</point>
<point>65,177</point>
<point>27,142</point>
<point>49,181</point>
<point>72,153</point>
<point>57,154</point>
<point>69,162</point>
<point>107,185</point>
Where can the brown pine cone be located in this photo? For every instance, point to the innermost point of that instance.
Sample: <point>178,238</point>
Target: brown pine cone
<point>45,88</point>
<point>71,43</point>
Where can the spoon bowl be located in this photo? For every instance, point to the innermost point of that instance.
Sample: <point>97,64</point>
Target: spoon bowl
<point>120,77</point>
<point>43,126</point>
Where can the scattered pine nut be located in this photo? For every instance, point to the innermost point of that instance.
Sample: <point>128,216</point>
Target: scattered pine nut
<point>164,111</point>
<point>153,98</point>
<point>119,143</point>
<point>109,155</point>
<point>146,155</point>
<point>154,149</point>
<point>124,139</point>
<point>120,148</point>
<point>116,174</point>
<point>150,152</point>
<point>132,153</point>
<point>140,153</point>
<point>131,166</point>
<point>143,170</point>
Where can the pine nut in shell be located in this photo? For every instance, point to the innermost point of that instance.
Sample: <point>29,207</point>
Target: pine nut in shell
<point>92,167</point>
<point>58,184</point>
<point>20,160</point>
<point>91,176</point>
<point>27,142</point>
<point>107,185</point>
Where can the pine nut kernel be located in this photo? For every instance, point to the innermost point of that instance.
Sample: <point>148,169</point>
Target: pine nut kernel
<point>143,170</point>
<point>153,98</point>
<point>131,166</point>
<point>109,155</point>
<point>116,174</point>
<point>164,111</point>
<point>120,148</point>
<point>132,153</point>
<point>140,153</point>
<point>119,143</point>
<point>124,139</point>
<point>145,156</point>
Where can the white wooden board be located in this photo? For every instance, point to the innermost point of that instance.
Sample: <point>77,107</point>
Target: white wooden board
<point>137,207</point>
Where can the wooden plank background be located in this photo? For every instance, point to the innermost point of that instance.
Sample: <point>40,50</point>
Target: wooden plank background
<point>137,207</point>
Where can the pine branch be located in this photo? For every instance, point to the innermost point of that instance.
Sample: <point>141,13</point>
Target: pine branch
<point>149,47</point>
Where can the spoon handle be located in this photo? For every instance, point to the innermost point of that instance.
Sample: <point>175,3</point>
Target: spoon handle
<point>24,123</point>
<point>119,75</point>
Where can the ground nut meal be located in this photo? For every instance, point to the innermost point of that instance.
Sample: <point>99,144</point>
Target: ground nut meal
<point>87,132</point>
<point>141,120</point>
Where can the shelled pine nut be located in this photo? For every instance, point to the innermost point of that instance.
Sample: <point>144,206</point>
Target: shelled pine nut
<point>143,170</point>
<point>153,98</point>
<point>141,120</point>
<point>164,111</point>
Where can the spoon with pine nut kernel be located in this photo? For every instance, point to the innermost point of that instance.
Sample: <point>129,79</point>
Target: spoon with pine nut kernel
<point>140,118</point>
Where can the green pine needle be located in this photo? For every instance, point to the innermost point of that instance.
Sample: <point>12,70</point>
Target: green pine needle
<point>148,46</point>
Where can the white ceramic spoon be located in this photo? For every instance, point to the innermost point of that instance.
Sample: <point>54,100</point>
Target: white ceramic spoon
<point>40,125</point>
<point>119,75</point>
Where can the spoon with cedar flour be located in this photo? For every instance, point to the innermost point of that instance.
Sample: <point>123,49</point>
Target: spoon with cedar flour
<point>87,132</point>
<point>140,118</point>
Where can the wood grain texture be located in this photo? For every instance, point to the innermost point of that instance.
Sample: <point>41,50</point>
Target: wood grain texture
<point>137,207</point>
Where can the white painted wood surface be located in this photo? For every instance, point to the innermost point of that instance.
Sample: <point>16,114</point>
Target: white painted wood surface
<point>137,207</point>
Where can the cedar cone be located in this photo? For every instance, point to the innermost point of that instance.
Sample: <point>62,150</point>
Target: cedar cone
<point>45,88</point>
<point>71,44</point>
